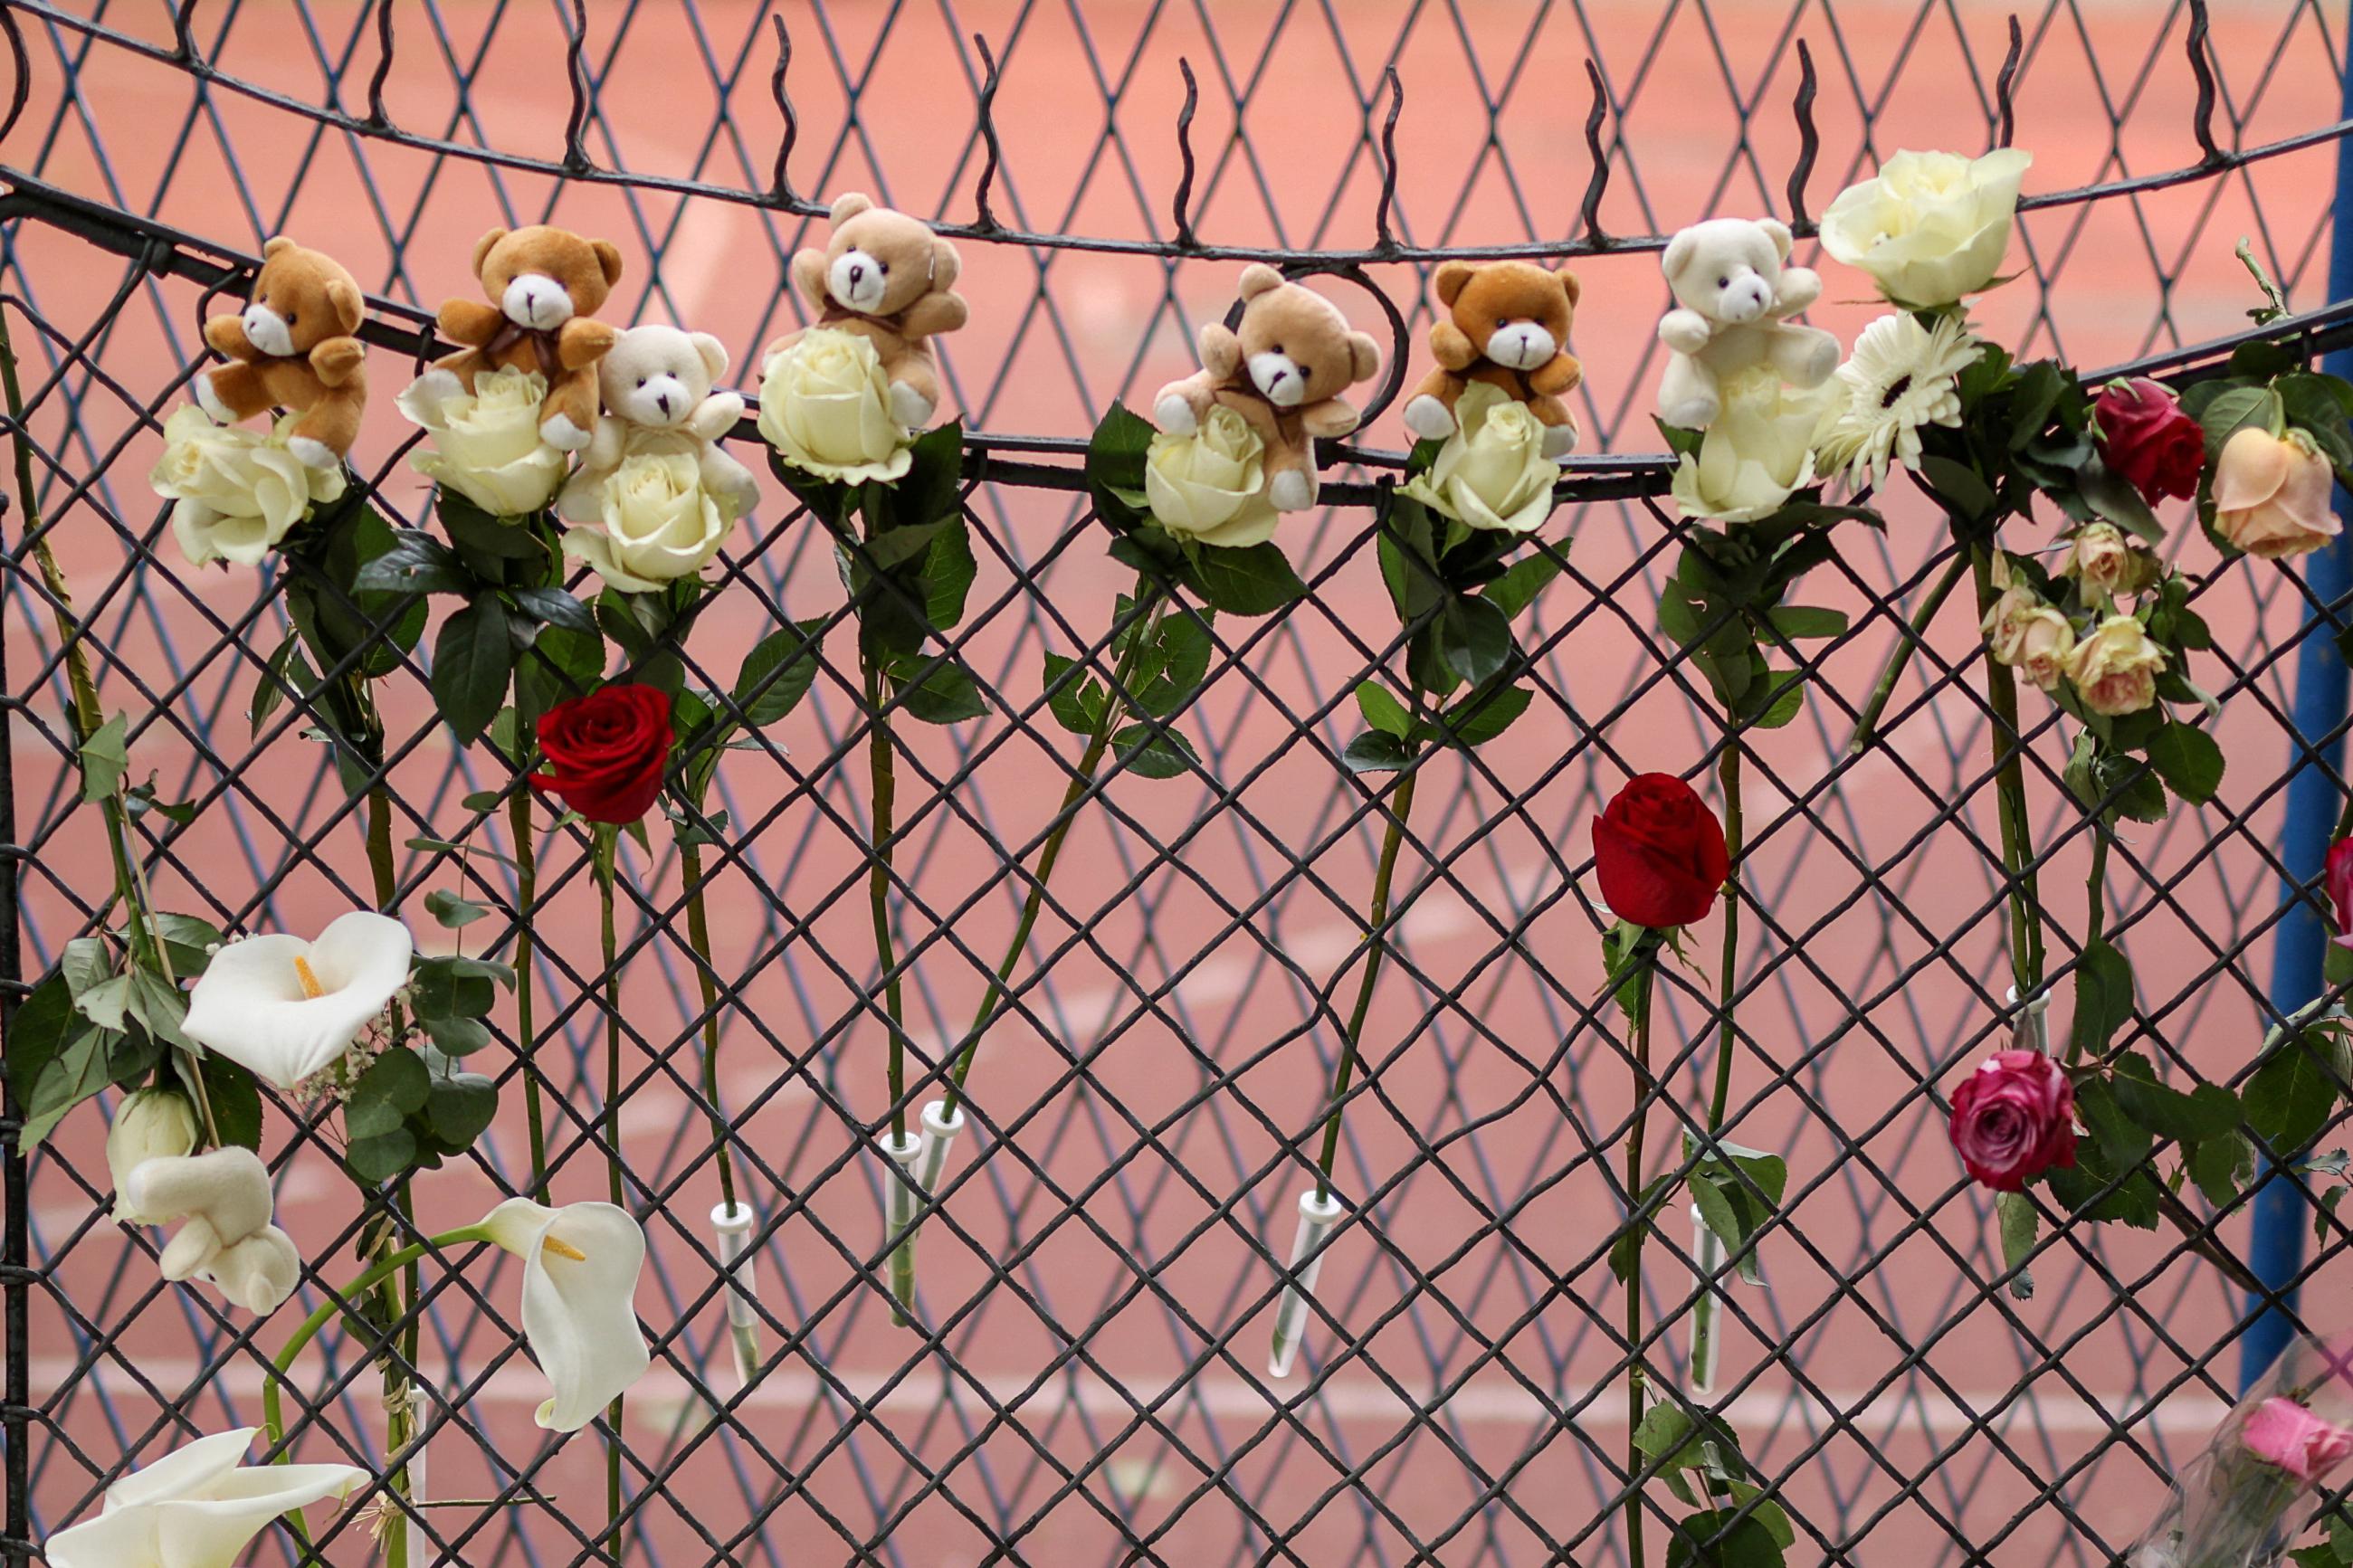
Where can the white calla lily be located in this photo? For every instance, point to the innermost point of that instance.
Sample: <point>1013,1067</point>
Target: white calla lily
<point>284,1009</point>
<point>197,1507</point>
<point>580,1268</point>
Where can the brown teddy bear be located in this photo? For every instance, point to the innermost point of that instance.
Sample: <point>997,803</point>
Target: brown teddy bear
<point>1507,325</point>
<point>544,285</point>
<point>889,279</point>
<point>292,348</point>
<point>1284,372</point>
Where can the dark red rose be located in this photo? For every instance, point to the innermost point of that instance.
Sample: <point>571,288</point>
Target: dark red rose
<point>2339,881</point>
<point>606,752</point>
<point>2013,1119</point>
<point>1658,852</point>
<point>2145,436</point>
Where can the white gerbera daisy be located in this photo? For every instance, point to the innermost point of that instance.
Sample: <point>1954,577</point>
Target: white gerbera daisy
<point>1902,375</point>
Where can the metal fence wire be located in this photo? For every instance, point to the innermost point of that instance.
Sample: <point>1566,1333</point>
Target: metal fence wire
<point>1085,1379</point>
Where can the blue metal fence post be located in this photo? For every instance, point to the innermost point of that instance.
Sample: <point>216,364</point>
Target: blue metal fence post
<point>2281,1214</point>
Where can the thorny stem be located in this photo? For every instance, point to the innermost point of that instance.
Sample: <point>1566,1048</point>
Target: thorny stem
<point>1377,914</point>
<point>392,1210</point>
<point>1866,727</point>
<point>2010,783</point>
<point>698,934</point>
<point>607,851</point>
<point>1648,959</point>
<point>882,771</point>
<point>526,855</point>
<point>1727,773</point>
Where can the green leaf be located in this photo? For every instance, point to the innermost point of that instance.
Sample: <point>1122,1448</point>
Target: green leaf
<point>777,672</point>
<point>2121,1141</point>
<point>948,574</point>
<point>2221,1166</point>
<point>1518,588</point>
<point>1114,465</point>
<point>1711,1538</point>
<point>1383,711</point>
<point>2104,999</point>
<point>106,1004</point>
<point>458,1036</point>
<point>1153,755</point>
<point>449,988</point>
<point>237,1100</point>
<point>1475,637</point>
<point>1625,1249</point>
<point>78,1070</point>
<point>2188,759</point>
<point>2113,498</point>
<point>1482,715</point>
<point>416,563</point>
<point>45,1025</point>
<point>1957,486</point>
<point>451,911</point>
<point>1178,662</point>
<point>161,1007</point>
<point>554,607</point>
<point>2015,1213</point>
<point>382,1156</point>
<point>1798,622</point>
<point>937,692</point>
<point>1076,701</point>
<point>2291,1097</point>
<point>473,659</point>
<point>393,1085</point>
<point>459,1109</point>
<point>105,758</point>
<point>2207,1111</point>
<point>1375,752</point>
<point>2237,408</point>
<point>1257,581</point>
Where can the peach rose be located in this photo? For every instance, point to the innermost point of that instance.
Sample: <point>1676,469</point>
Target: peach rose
<point>2100,557</point>
<point>2272,495</point>
<point>2115,669</point>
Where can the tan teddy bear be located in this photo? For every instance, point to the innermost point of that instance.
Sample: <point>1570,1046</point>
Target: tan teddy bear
<point>292,348</point>
<point>658,384</point>
<point>1507,325</point>
<point>1284,372</point>
<point>1732,298</point>
<point>544,285</point>
<point>887,278</point>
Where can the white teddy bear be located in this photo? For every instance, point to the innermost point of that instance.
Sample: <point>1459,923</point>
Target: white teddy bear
<point>657,388</point>
<point>1733,295</point>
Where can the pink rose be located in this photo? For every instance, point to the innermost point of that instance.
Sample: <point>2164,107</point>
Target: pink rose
<point>2114,668</point>
<point>2013,1119</point>
<point>2338,880</point>
<point>2272,495</point>
<point>2281,1432</point>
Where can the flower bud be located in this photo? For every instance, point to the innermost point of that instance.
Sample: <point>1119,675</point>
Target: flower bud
<point>153,1124</point>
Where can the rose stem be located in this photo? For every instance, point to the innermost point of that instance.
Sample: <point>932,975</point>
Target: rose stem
<point>1727,773</point>
<point>1866,728</point>
<point>607,851</point>
<point>2009,782</point>
<point>391,1210</point>
<point>698,933</point>
<point>1648,960</point>
<point>1378,913</point>
<point>884,786</point>
<point>526,852</point>
<point>2095,894</point>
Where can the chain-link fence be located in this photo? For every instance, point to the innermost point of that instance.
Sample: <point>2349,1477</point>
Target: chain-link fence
<point>1085,1379</point>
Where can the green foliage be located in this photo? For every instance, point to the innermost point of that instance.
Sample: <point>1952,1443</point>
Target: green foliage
<point>1698,1455</point>
<point>1256,580</point>
<point>1723,606</point>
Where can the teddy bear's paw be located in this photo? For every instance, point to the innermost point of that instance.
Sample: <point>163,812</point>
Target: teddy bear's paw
<point>1814,360</point>
<point>1428,418</point>
<point>1692,413</point>
<point>909,408</point>
<point>210,400</point>
<point>559,432</point>
<point>1175,416</point>
<point>315,454</point>
<point>1292,491</point>
<point>1558,439</point>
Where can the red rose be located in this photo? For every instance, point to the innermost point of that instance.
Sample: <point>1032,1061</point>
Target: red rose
<point>2013,1119</point>
<point>607,752</point>
<point>2339,882</point>
<point>1658,852</point>
<point>2145,436</point>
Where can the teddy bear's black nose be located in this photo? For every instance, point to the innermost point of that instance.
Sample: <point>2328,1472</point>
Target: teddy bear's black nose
<point>662,401</point>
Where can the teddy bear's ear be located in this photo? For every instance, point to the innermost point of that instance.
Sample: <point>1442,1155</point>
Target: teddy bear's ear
<point>848,204</point>
<point>947,265</point>
<point>1450,280</point>
<point>278,242</point>
<point>1363,357</point>
<point>608,257</point>
<point>482,249</point>
<point>1679,254</point>
<point>348,305</point>
<point>1257,279</point>
<point>1570,286</point>
<point>1778,233</point>
<point>714,352</point>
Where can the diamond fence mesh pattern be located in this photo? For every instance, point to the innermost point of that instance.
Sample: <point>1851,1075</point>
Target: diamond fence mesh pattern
<point>1087,1380</point>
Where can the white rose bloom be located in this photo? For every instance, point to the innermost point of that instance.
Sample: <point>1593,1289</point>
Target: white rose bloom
<point>1931,226</point>
<point>1491,473</point>
<point>151,1124</point>
<point>487,446</point>
<point>655,523</point>
<point>1757,453</point>
<point>1210,486</point>
<point>825,406</point>
<point>237,492</point>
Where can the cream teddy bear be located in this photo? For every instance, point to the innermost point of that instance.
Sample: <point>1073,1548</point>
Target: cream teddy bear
<point>658,388</point>
<point>1734,296</point>
<point>223,1202</point>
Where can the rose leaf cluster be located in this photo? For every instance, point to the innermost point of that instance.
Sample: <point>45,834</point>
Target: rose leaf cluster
<point>1188,511</point>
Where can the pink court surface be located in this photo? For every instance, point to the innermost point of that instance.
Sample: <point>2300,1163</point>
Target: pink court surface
<point>1909,1418</point>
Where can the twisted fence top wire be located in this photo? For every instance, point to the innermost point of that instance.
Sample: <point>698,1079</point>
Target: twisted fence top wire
<point>1099,1279</point>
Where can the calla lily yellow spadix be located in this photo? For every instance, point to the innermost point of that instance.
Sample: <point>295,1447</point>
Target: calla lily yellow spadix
<point>284,1009</point>
<point>198,1507</point>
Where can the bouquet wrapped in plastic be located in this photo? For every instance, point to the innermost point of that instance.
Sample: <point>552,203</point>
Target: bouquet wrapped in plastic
<point>2285,1445</point>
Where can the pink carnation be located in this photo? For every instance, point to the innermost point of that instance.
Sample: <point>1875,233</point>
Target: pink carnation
<point>2013,1119</point>
<point>2281,1432</point>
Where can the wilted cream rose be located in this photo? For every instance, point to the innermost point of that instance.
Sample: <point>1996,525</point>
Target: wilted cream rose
<point>2115,669</point>
<point>657,523</point>
<point>1491,473</point>
<point>2037,645</point>
<point>237,491</point>
<point>1759,451</point>
<point>1211,485</point>
<point>151,1123</point>
<point>2272,494</point>
<point>825,406</point>
<point>487,446</point>
<point>1931,226</point>
<point>2100,557</point>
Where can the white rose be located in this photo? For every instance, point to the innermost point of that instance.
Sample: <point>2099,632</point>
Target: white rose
<point>1757,453</point>
<point>1211,485</point>
<point>487,446</point>
<point>1932,226</point>
<point>655,523</point>
<point>237,491</point>
<point>825,406</point>
<point>154,1124</point>
<point>1491,473</point>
